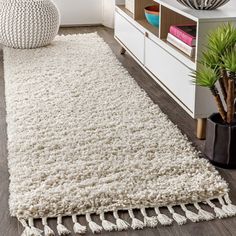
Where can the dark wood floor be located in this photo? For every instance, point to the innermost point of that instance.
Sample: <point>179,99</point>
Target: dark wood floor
<point>226,227</point>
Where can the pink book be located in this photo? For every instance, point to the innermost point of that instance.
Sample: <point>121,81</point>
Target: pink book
<point>186,33</point>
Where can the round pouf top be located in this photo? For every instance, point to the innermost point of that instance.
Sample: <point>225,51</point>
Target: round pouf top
<point>28,23</point>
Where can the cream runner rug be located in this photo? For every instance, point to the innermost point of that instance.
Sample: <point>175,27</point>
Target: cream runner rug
<point>83,138</point>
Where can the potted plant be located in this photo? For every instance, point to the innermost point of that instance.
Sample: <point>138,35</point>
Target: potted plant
<point>218,73</point>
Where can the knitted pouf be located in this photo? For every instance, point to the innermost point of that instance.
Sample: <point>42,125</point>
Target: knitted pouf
<point>28,23</point>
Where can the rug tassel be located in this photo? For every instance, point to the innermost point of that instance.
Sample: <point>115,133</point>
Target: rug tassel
<point>95,228</point>
<point>231,207</point>
<point>136,223</point>
<point>33,230</point>
<point>204,215</point>
<point>149,221</point>
<point>220,213</point>
<point>107,225</point>
<point>163,219</point>
<point>61,229</point>
<point>227,208</point>
<point>177,217</point>
<point>26,231</point>
<point>190,214</point>
<point>47,230</point>
<point>121,224</point>
<point>78,228</point>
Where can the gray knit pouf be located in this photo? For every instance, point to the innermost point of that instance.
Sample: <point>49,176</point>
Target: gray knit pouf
<point>28,23</point>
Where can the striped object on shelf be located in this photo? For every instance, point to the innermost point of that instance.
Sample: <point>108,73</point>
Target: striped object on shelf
<point>203,4</point>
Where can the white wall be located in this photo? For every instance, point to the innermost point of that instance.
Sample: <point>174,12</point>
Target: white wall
<point>108,13</point>
<point>86,12</point>
<point>80,12</point>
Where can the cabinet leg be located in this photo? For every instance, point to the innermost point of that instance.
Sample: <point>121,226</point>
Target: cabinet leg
<point>122,51</point>
<point>201,128</point>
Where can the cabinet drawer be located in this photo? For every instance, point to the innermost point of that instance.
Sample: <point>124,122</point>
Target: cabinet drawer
<point>130,36</point>
<point>171,72</point>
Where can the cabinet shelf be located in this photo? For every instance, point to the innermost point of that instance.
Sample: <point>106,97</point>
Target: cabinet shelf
<point>141,21</point>
<point>154,30</point>
<point>179,51</point>
<point>168,18</point>
<point>125,10</point>
<point>170,67</point>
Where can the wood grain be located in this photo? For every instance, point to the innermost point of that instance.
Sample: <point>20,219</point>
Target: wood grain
<point>168,18</point>
<point>226,227</point>
<point>201,128</point>
<point>139,6</point>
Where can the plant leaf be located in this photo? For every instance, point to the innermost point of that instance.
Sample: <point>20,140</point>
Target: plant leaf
<point>229,60</point>
<point>205,77</point>
<point>222,39</point>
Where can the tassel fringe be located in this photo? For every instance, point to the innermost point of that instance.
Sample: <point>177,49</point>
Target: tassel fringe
<point>33,230</point>
<point>26,231</point>
<point>190,215</point>
<point>107,225</point>
<point>220,213</point>
<point>231,207</point>
<point>204,215</point>
<point>78,228</point>
<point>163,219</point>
<point>149,221</point>
<point>226,209</point>
<point>95,228</point>
<point>61,229</point>
<point>47,230</point>
<point>180,220</point>
<point>121,224</point>
<point>228,206</point>
<point>136,223</point>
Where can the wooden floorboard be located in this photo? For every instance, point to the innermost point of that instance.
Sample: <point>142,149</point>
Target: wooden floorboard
<point>225,227</point>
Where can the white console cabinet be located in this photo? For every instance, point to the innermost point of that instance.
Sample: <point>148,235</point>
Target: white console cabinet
<point>168,66</point>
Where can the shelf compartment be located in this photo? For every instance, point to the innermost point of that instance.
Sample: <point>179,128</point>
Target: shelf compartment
<point>139,6</point>
<point>142,20</point>
<point>169,18</point>
<point>139,15</point>
<point>154,30</point>
<point>125,10</point>
<point>178,51</point>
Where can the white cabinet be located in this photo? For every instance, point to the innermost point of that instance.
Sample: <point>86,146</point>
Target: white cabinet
<point>166,64</point>
<point>130,36</point>
<point>171,72</point>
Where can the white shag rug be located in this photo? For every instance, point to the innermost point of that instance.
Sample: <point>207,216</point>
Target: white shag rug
<point>84,138</point>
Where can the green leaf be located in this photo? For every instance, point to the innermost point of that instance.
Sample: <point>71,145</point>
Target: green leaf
<point>222,39</point>
<point>211,59</point>
<point>205,77</point>
<point>229,60</point>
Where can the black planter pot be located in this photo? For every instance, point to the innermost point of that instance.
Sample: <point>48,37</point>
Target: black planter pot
<point>220,146</point>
